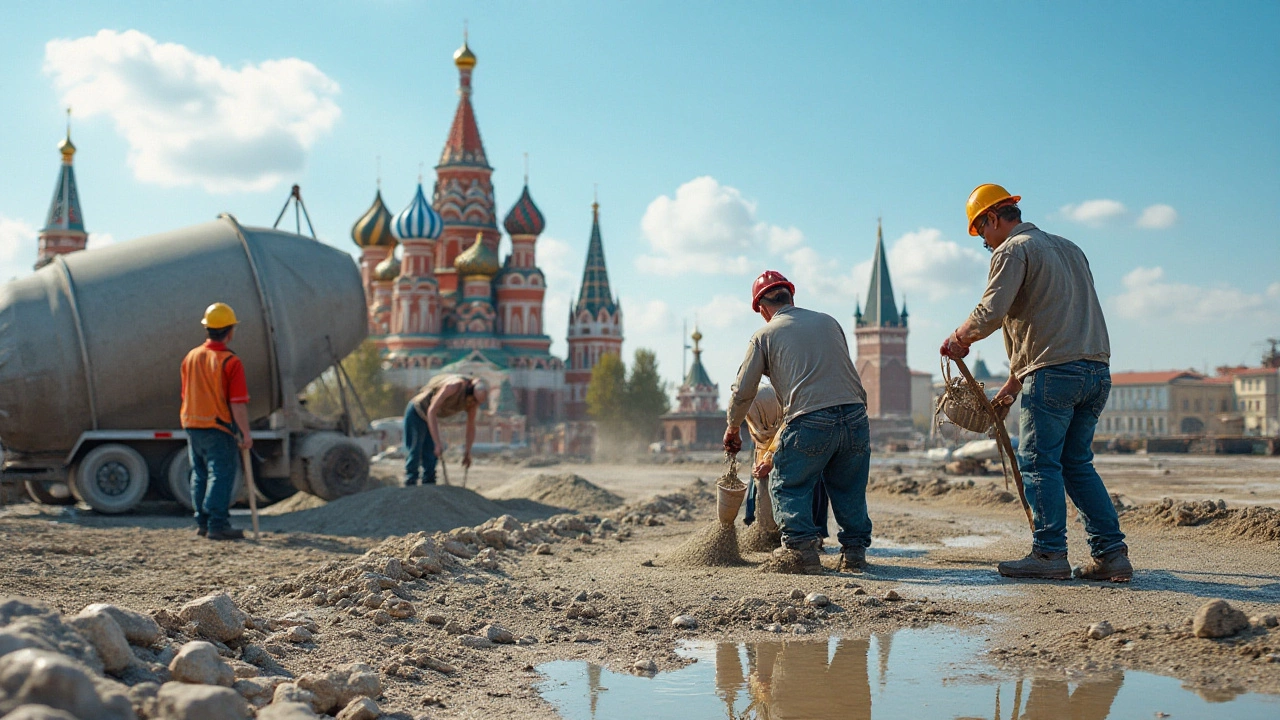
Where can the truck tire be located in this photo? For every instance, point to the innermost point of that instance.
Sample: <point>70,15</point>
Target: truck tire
<point>275,489</point>
<point>334,465</point>
<point>111,478</point>
<point>54,493</point>
<point>177,475</point>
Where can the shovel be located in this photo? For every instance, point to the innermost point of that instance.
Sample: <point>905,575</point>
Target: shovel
<point>252,488</point>
<point>1002,437</point>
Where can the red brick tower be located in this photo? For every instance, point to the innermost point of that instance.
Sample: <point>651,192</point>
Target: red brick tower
<point>63,230</point>
<point>595,324</point>
<point>881,334</point>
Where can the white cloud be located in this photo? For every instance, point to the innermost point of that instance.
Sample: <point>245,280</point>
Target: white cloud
<point>1093,212</point>
<point>555,258</point>
<point>189,119</point>
<point>709,229</point>
<point>652,317</point>
<point>924,263</point>
<point>1157,217</point>
<point>17,248</point>
<point>1149,298</point>
<point>100,240</point>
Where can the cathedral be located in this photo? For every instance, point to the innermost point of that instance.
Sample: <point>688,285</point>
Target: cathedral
<point>447,303</point>
<point>880,332</point>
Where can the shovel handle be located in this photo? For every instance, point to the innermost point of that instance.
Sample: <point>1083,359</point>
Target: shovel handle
<point>252,488</point>
<point>1002,437</point>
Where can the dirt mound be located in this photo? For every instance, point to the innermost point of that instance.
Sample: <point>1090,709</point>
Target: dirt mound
<point>1256,523</point>
<point>756,539</point>
<point>966,491</point>
<point>392,511</point>
<point>715,545</point>
<point>298,501</point>
<point>566,490</point>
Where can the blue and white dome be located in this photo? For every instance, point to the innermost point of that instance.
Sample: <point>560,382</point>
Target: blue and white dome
<point>419,221</point>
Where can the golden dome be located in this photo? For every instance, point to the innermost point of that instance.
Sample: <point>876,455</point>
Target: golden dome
<point>67,149</point>
<point>477,260</point>
<point>463,57</point>
<point>697,336</point>
<point>387,270</point>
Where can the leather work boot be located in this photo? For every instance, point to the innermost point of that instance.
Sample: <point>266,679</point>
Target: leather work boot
<point>226,534</point>
<point>800,559</point>
<point>1046,566</point>
<point>202,531</point>
<point>1112,567</point>
<point>853,559</point>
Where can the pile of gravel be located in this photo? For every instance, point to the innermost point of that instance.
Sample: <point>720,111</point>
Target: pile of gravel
<point>566,490</point>
<point>391,511</point>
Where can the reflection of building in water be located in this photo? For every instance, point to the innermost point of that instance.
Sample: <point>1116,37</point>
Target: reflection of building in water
<point>795,680</point>
<point>593,685</point>
<point>728,673</point>
<point>1051,698</point>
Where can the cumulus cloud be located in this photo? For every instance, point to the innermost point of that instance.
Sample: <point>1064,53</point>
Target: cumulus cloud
<point>1157,217</point>
<point>188,118</point>
<point>925,263</point>
<point>17,248</point>
<point>100,240</point>
<point>1149,297</point>
<point>1094,212</point>
<point>709,228</point>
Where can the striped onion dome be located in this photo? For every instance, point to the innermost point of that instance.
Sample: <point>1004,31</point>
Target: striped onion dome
<point>419,221</point>
<point>477,260</point>
<point>525,218</point>
<point>388,269</point>
<point>373,229</point>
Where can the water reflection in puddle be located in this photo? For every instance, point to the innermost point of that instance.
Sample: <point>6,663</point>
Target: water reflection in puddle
<point>913,674</point>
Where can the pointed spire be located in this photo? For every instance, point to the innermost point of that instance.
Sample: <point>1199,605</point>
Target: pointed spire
<point>881,310</point>
<point>697,372</point>
<point>64,209</point>
<point>464,147</point>
<point>595,292</point>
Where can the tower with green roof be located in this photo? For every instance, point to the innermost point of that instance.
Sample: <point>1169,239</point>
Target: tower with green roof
<point>881,335</point>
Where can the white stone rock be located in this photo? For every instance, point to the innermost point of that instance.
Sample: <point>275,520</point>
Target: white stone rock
<point>360,709</point>
<point>816,599</point>
<point>498,634</point>
<point>139,629</point>
<point>1099,630</point>
<point>198,663</point>
<point>287,711</point>
<point>645,665</point>
<point>180,701</point>
<point>685,622</point>
<point>216,617</point>
<point>41,677</point>
<point>105,635</point>
<point>475,641</point>
<point>39,712</point>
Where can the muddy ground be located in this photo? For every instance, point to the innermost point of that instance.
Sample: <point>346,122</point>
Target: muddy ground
<point>936,547</point>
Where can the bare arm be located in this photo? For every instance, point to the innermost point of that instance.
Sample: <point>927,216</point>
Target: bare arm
<point>240,414</point>
<point>433,412</point>
<point>471,435</point>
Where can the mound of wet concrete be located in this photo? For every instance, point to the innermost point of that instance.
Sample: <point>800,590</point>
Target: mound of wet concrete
<point>391,511</point>
<point>565,490</point>
<point>1257,523</point>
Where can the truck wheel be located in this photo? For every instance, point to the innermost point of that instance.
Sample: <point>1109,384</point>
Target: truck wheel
<point>177,475</point>
<point>336,465</point>
<point>112,478</point>
<point>275,489</point>
<point>55,493</point>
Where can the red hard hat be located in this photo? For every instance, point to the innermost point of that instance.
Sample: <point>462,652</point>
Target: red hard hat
<point>768,280</point>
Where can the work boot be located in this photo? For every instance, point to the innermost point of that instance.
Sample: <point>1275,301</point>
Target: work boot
<point>800,558</point>
<point>853,559</point>
<point>226,534</point>
<point>202,531</point>
<point>1112,567</point>
<point>1047,566</point>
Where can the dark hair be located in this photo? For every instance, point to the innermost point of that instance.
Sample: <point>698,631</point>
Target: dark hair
<point>219,334</point>
<point>777,298</point>
<point>1009,212</point>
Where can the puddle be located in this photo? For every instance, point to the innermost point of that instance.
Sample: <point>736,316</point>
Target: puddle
<point>913,674</point>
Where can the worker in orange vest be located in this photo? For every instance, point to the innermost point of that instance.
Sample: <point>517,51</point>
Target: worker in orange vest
<point>215,416</point>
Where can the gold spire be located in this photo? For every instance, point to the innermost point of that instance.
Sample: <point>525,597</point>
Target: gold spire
<point>463,57</point>
<point>65,147</point>
<point>477,260</point>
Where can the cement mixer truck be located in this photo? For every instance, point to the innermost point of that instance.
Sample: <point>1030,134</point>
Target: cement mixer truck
<point>91,344</point>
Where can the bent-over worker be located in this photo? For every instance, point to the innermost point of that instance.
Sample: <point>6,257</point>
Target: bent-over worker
<point>1040,290</point>
<point>215,416</point>
<point>443,396</point>
<point>826,438</point>
<point>764,424</point>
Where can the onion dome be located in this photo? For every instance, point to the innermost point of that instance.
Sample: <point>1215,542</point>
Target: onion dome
<point>463,57</point>
<point>477,260</point>
<point>373,229</point>
<point>419,221</point>
<point>387,270</point>
<point>525,218</point>
<point>67,149</point>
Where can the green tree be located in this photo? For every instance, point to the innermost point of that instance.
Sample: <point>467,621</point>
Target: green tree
<point>380,397</point>
<point>646,395</point>
<point>607,392</point>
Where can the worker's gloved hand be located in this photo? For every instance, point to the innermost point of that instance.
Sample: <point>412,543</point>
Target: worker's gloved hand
<point>466,460</point>
<point>732,441</point>
<point>761,469</point>
<point>953,348</point>
<point>1005,397</point>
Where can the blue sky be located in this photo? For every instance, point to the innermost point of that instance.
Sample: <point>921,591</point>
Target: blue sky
<point>725,138</point>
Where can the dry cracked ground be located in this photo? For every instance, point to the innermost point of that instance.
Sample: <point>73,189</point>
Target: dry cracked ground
<point>454,624</point>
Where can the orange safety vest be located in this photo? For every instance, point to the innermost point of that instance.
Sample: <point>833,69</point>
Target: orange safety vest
<point>204,389</point>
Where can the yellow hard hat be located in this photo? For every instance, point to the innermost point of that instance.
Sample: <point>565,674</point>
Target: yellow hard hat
<point>218,316</point>
<point>985,197</point>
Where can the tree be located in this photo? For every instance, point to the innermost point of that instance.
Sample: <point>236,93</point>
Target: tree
<point>646,396</point>
<point>606,394</point>
<point>380,397</point>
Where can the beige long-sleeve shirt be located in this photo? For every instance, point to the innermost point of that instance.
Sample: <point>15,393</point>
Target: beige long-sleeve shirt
<point>1040,289</point>
<point>806,358</point>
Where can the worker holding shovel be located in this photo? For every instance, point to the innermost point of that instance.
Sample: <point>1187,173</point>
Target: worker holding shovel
<point>826,439</point>
<point>215,416</point>
<point>445,395</point>
<point>1040,290</point>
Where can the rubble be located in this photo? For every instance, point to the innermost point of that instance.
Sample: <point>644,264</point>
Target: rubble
<point>1217,619</point>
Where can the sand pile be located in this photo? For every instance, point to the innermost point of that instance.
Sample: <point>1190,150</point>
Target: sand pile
<point>566,490</point>
<point>966,491</point>
<point>298,501</point>
<point>392,511</point>
<point>715,545</point>
<point>756,539</point>
<point>1258,523</point>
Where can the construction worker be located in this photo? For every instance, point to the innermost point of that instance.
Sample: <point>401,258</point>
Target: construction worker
<point>764,424</point>
<point>826,439</point>
<point>1040,290</point>
<point>215,416</point>
<point>443,396</point>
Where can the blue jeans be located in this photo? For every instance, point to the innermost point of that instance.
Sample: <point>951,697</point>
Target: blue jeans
<point>215,460</point>
<point>831,447</point>
<point>419,449</point>
<point>1060,408</point>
